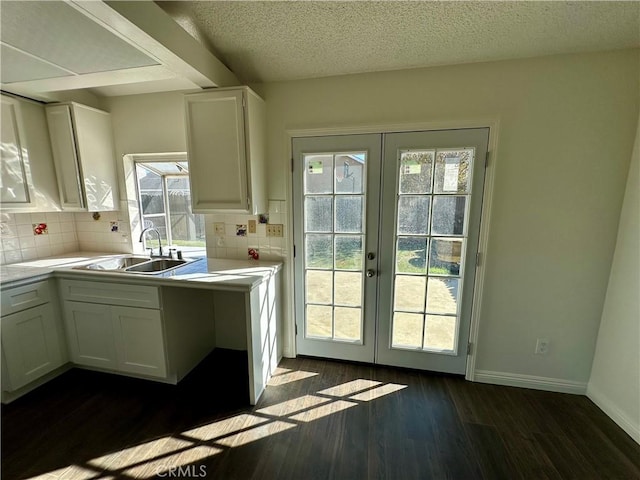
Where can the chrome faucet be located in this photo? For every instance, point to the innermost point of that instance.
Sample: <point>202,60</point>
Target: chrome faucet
<point>159,241</point>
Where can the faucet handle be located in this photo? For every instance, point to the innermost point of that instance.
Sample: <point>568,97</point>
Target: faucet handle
<point>171,252</point>
<point>150,251</point>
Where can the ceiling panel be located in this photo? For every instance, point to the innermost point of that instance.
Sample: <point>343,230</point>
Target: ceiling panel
<point>17,66</point>
<point>56,32</point>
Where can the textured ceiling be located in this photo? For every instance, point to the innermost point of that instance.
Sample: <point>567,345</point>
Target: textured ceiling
<point>271,41</point>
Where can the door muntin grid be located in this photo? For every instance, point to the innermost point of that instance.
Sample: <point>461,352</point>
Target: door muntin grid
<point>334,213</point>
<point>433,194</point>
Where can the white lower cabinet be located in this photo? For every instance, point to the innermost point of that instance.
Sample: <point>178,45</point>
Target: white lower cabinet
<point>31,346</point>
<point>90,336</point>
<point>108,333</point>
<point>139,341</point>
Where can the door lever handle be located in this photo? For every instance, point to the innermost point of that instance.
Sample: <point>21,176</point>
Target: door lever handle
<point>371,273</point>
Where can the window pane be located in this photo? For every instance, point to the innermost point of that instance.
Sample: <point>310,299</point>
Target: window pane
<point>348,252</point>
<point>409,293</point>
<point>187,228</point>
<point>318,214</point>
<point>411,255</point>
<point>319,286</point>
<point>348,288</point>
<point>349,214</point>
<point>445,256</point>
<point>442,295</point>
<point>318,174</point>
<point>453,171</point>
<point>440,332</point>
<point>413,215</point>
<point>319,319</point>
<point>319,251</point>
<point>415,172</point>
<point>158,222</point>
<point>407,330</point>
<point>349,173</point>
<point>347,323</point>
<point>448,215</point>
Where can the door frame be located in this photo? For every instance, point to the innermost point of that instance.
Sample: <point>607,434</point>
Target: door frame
<point>491,122</point>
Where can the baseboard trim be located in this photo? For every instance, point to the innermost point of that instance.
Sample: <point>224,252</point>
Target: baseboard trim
<point>605,404</point>
<point>530,381</point>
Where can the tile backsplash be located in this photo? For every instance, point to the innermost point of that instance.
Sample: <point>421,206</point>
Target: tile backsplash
<point>29,236</point>
<point>22,237</point>
<point>232,245</point>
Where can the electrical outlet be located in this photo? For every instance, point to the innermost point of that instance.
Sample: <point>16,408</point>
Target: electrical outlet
<point>252,226</point>
<point>542,346</point>
<point>219,229</point>
<point>274,230</point>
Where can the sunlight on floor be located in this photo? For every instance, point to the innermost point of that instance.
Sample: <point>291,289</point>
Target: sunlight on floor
<point>153,458</point>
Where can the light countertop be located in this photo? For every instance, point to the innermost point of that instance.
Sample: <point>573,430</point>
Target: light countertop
<point>215,273</point>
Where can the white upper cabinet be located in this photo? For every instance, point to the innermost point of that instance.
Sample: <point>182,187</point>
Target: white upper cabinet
<point>226,147</point>
<point>84,157</point>
<point>27,180</point>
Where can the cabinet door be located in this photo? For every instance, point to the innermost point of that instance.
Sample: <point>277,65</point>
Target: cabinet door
<point>94,140</point>
<point>139,341</point>
<point>90,334</point>
<point>65,157</point>
<point>30,345</point>
<point>15,185</point>
<point>217,151</point>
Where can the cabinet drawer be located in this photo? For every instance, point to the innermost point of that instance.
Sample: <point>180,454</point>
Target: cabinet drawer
<point>123,294</point>
<point>27,296</point>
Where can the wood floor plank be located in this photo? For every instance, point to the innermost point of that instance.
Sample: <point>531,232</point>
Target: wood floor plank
<point>317,419</point>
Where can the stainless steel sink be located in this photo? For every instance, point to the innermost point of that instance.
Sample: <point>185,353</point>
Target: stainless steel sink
<point>135,264</point>
<point>118,263</point>
<point>156,266</point>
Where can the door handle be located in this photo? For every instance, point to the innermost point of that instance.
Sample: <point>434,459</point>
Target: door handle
<point>371,273</point>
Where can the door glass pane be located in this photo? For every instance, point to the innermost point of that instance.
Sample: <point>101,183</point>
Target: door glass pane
<point>415,171</point>
<point>446,254</point>
<point>448,215</point>
<point>411,254</point>
<point>319,286</point>
<point>413,215</point>
<point>440,332</point>
<point>349,252</point>
<point>318,214</point>
<point>347,322</point>
<point>319,321</point>
<point>453,171</point>
<point>348,288</point>
<point>319,251</point>
<point>334,204</point>
<point>433,192</point>
<point>349,173</point>
<point>442,295</point>
<point>318,173</point>
<point>349,214</point>
<point>409,293</point>
<point>407,330</point>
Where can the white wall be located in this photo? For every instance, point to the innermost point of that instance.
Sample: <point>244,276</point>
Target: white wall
<point>615,376</point>
<point>567,126</point>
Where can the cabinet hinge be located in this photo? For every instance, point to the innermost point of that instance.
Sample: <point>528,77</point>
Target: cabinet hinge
<point>248,203</point>
<point>294,251</point>
<point>292,164</point>
<point>296,325</point>
<point>478,259</point>
<point>244,102</point>
<point>486,160</point>
<point>469,348</point>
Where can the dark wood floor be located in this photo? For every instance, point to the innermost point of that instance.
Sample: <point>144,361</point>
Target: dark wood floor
<point>317,420</point>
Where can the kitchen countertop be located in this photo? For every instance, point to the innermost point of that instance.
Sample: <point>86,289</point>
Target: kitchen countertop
<point>203,272</point>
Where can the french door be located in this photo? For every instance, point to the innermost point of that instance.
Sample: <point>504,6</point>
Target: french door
<point>386,233</point>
